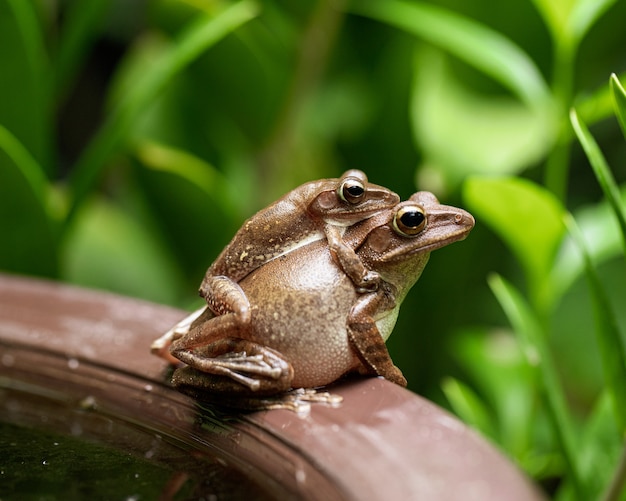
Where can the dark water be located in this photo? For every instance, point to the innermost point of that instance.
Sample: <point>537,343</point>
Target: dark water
<point>37,464</point>
<point>41,465</point>
<point>55,446</point>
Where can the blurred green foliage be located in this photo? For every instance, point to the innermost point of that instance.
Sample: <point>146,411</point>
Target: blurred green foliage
<point>135,137</point>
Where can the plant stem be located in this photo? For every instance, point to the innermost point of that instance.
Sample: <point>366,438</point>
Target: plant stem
<point>557,169</point>
<point>316,44</point>
<point>557,165</point>
<point>532,336</point>
<point>614,489</point>
<point>197,37</point>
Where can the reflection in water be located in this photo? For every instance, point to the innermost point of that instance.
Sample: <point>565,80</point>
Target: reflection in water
<point>37,464</point>
<point>40,464</point>
<point>72,435</point>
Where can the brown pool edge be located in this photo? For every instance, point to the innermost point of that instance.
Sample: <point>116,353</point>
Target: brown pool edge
<point>384,442</point>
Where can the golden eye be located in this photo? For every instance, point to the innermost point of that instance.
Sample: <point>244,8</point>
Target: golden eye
<point>351,191</point>
<point>409,220</point>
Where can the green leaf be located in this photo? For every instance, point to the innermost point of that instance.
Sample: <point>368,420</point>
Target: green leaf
<point>602,237</point>
<point>555,14</point>
<point>528,218</point>
<point>616,488</point>
<point>569,20</point>
<point>192,204</point>
<point>602,172</point>
<point>191,168</point>
<point>470,41</point>
<point>619,101</point>
<point>462,132</point>
<point>79,30</point>
<point>468,406</point>
<point>584,15</point>
<point>607,333</point>
<point>602,103</point>
<point>195,39</point>
<point>533,341</point>
<point>499,371</point>
<point>108,249</point>
<point>24,79</point>
<point>601,445</point>
<point>29,234</point>
<point>26,165</point>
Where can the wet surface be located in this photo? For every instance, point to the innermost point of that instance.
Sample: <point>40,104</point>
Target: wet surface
<point>75,370</point>
<point>69,439</point>
<point>38,464</point>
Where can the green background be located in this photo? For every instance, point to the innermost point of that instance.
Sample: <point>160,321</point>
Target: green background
<point>135,137</point>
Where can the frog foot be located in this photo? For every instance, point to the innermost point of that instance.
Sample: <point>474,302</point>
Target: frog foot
<point>314,395</point>
<point>299,400</point>
<point>252,371</point>
<point>369,282</point>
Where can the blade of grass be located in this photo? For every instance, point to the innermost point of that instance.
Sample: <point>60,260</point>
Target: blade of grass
<point>569,21</point>
<point>195,39</point>
<point>607,331</point>
<point>585,14</point>
<point>187,166</point>
<point>619,101</point>
<point>477,45</point>
<point>30,116</point>
<point>27,165</point>
<point>27,20</point>
<point>468,405</point>
<point>615,489</point>
<point>499,370</point>
<point>601,170</point>
<point>79,30</point>
<point>603,103</point>
<point>532,339</point>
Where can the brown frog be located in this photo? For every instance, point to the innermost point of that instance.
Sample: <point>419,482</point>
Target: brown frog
<point>318,211</point>
<point>306,323</point>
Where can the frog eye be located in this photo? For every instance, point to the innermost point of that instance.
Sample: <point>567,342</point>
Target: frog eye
<point>352,191</point>
<point>409,221</point>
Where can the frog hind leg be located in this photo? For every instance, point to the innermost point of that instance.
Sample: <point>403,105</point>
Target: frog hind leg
<point>366,340</point>
<point>228,313</point>
<point>252,367</point>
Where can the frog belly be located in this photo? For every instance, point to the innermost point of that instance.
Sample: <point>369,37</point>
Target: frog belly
<point>301,312</point>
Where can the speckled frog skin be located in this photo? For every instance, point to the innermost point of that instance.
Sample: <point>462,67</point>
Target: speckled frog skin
<point>307,214</point>
<point>308,324</point>
<point>318,211</point>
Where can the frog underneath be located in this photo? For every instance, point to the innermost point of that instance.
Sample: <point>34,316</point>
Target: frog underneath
<point>309,324</point>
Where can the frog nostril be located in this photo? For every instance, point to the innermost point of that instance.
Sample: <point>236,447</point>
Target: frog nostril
<point>464,219</point>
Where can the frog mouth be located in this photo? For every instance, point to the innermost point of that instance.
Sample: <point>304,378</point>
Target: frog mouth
<point>453,237</point>
<point>445,226</point>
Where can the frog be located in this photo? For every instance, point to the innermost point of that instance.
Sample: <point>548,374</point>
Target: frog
<point>316,211</point>
<point>310,325</point>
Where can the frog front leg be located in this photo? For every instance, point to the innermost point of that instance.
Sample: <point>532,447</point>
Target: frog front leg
<point>235,366</point>
<point>364,279</point>
<point>366,340</point>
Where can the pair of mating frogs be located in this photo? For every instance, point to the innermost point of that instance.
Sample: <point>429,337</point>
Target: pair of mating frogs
<point>307,291</point>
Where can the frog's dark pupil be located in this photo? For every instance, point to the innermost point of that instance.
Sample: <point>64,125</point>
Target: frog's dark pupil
<point>355,190</point>
<point>412,219</point>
